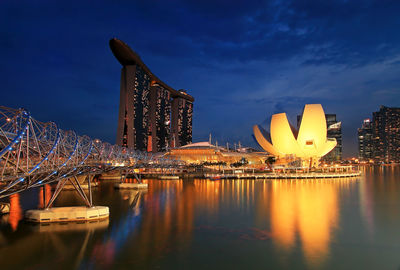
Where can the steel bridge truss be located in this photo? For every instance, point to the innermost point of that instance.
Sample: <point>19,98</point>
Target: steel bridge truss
<point>34,153</point>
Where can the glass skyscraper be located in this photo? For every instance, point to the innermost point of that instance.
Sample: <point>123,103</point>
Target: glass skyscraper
<point>386,135</point>
<point>365,141</point>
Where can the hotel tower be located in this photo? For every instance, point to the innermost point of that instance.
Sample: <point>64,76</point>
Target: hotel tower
<point>152,115</point>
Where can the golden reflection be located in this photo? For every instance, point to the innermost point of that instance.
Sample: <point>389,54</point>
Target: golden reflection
<point>15,211</point>
<point>210,195</point>
<point>168,217</point>
<point>283,219</point>
<point>307,209</point>
<point>44,194</point>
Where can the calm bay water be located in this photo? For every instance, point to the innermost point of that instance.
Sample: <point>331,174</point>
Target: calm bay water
<point>201,224</point>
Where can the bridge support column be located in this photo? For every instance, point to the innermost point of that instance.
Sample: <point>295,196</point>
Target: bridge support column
<point>124,185</point>
<point>4,208</point>
<point>65,214</point>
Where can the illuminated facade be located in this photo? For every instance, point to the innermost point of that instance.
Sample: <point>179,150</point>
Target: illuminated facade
<point>386,135</point>
<point>309,143</point>
<point>365,141</point>
<point>160,116</point>
<point>334,130</point>
<point>182,113</point>
<point>200,152</point>
<point>146,105</point>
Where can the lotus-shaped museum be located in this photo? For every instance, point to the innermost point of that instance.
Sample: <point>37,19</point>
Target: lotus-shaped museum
<point>309,141</point>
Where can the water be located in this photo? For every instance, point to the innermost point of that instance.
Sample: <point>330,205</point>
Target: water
<point>200,224</point>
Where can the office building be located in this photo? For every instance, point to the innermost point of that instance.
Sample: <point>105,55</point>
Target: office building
<point>386,135</point>
<point>365,141</point>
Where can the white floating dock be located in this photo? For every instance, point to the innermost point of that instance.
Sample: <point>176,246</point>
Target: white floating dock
<point>4,208</point>
<point>168,177</point>
<point>101,224</point>
<point>66,214</point>
<point>131,185</point>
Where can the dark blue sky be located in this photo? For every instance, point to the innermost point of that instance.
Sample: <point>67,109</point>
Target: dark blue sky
<point>241,60</point>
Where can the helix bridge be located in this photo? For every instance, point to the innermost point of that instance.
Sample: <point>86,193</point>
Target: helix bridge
<point>34,153</point>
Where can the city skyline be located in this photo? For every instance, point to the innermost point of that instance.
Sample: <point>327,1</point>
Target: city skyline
<point>240,62</point>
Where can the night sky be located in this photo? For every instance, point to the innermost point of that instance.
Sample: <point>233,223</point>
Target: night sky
<point>241,60</point>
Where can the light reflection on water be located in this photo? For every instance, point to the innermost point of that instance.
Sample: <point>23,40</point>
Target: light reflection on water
<point>197,224</point>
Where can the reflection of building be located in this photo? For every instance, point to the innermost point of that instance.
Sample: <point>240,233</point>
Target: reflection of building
<point>365,141</point>
<point>307,211</point>
<point>144,121</point>
<point>386,134</point>
<point>167,220</point>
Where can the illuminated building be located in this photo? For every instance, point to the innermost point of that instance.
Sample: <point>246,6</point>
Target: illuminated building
<point>197,153</point>
<point>365,141</point>
<point>386,135</point>
<point>334,130</point>
<point>182,112</point>
<point>160,117</point>
<point>309,143</point>
<point>146,104</point>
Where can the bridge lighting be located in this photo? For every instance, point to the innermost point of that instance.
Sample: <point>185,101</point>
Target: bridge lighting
<point>80,160</point>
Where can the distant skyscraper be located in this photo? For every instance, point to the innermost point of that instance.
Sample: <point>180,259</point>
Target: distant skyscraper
<point>365,141</point>
<point>386,135</point>
<point>334,130</point>
<point>144,121</point>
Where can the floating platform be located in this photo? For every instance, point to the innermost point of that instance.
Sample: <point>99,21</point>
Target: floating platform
<point>4,208</point>
<point>131,186</point>
<point>72,226</point>
<point>168,177</point>
<point>67,214</point>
